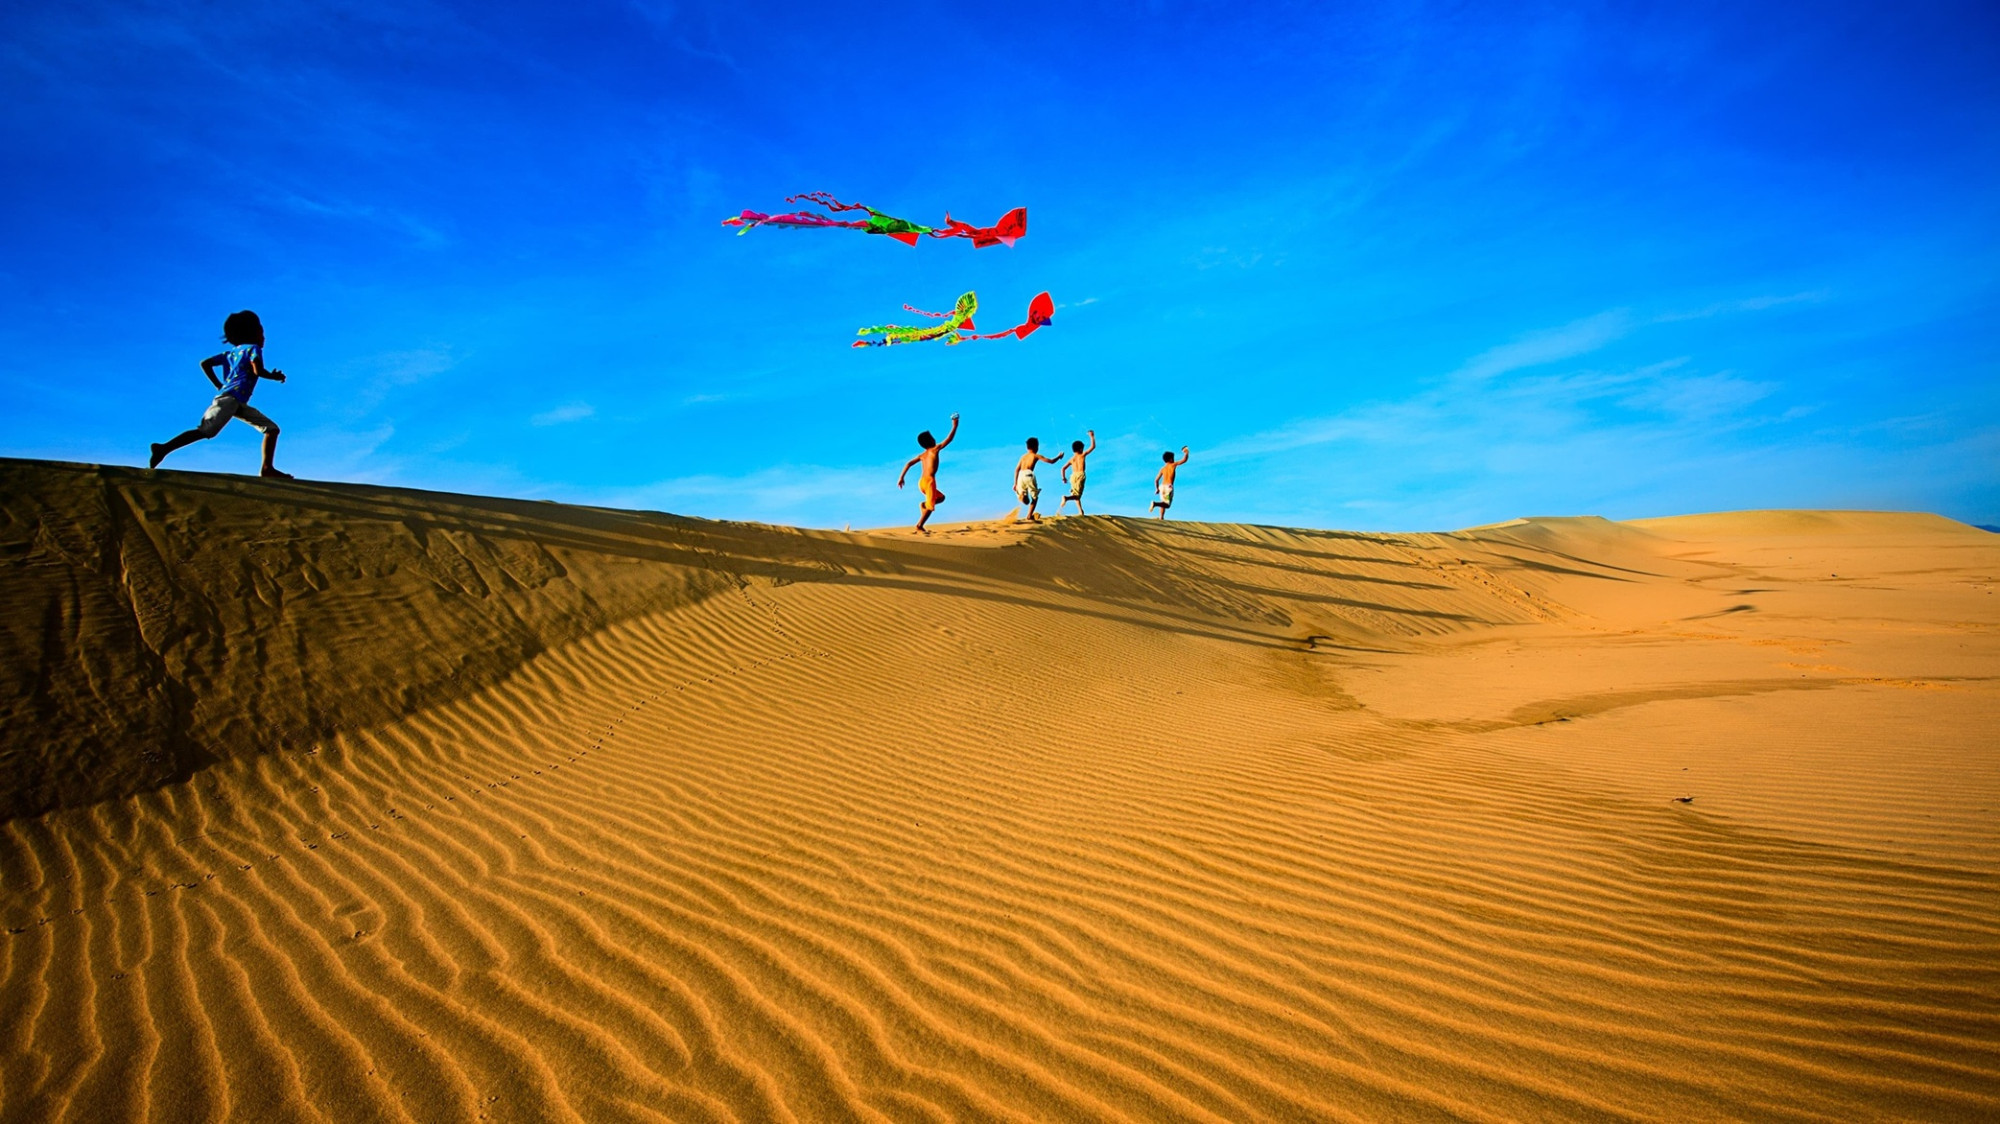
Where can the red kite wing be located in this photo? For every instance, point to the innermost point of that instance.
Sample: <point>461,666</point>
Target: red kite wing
<point>1041,310</point>
<point>1012,227</point>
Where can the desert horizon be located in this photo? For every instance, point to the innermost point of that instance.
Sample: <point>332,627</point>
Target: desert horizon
<point>338,801</point>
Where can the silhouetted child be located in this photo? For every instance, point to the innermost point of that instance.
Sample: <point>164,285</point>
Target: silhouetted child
<point>242,365</point>
<point>927,479</point>
<point>1163,482</point>
<point>1073,472</point>
<point>1025,485</point>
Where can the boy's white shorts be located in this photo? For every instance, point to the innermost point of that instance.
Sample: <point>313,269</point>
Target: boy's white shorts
<point>225,407</point>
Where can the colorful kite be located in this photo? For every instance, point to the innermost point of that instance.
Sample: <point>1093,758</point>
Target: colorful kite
<point>1011,227</point>
<point>957,326</point>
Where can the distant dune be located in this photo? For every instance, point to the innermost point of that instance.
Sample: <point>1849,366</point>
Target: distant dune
<point>354,803</point>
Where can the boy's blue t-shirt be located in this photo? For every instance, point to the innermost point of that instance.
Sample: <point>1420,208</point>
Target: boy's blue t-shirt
<point>239,374</point>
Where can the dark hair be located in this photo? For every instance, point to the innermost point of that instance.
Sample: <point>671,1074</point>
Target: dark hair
<point>1168,456</point>
<point>1076,446</point>
<point>1034,444</point>
<point>925,439</point>
<point>243,327</point>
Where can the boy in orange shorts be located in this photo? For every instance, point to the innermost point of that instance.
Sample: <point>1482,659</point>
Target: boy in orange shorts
<point>927,489</point>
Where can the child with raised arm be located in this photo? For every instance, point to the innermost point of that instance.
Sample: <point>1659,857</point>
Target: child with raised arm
<point>1163,482</point>
<point>242,365</point>
<point>1073,472</point>
<point>1025,485</point>
<point>927,487</point>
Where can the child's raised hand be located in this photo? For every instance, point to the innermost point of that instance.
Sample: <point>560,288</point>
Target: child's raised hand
<point>275,376</point>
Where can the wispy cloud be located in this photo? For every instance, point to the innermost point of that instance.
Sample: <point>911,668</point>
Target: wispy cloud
<point>1581,337</point>
<point>418,232</point>
<point>1476,406</point>
<point>671,24</point>
<point>364,382</point>
<point>1749,304</point>
<point>335,452</point>
<point>575,411</point>
<point>1698,396</point>
<point>1212,256</point>
<point>1536,348</point>
<point>403,368</point>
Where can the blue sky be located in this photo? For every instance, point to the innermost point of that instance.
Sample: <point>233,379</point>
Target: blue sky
<point>1384,266</point>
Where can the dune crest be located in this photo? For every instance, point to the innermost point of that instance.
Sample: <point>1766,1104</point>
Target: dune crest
<point>477,809</point>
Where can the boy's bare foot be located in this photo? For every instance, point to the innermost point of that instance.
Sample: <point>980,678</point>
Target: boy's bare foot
<point>274,474</point>
<point>159,454</point>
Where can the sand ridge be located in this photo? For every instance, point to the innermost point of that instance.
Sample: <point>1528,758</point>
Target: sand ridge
<point>1101,819</point>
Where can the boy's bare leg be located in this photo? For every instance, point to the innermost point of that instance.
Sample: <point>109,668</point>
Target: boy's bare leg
<point>271,450</point>
<point>923,519</point>
<point>181,441</point>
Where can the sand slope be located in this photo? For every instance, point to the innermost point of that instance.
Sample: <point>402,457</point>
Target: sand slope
<point>1095,820</point>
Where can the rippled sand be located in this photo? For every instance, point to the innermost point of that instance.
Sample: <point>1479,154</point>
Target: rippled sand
<point>350,803</point>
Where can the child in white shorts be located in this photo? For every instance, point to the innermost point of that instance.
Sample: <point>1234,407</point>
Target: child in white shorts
<point>242,365</point>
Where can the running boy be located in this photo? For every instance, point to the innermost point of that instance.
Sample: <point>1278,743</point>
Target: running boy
<point>1073,472</point>
<point>1025,485</point>
<point>1163,482</point>
<point>927,479</point>
<point>242,365</point>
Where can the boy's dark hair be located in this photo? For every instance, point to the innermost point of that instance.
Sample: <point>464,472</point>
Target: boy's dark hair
<point>243,327</point>
<point>925,439</point>
<point>1076,446</point>
<point>1168,456</point>
<point>1034,444</point>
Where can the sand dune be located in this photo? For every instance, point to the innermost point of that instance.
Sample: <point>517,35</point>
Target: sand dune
<point>460,808</point>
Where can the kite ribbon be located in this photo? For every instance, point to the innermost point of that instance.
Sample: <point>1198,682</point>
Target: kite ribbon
<point>750,220</point>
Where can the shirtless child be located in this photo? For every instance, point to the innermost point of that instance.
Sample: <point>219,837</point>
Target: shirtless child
<point>1163,483</point>
<point>927,479</point>
<point>1025,485</point>
<point>1073,472</point>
